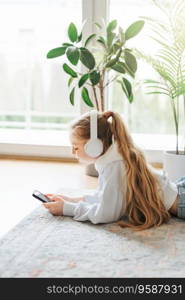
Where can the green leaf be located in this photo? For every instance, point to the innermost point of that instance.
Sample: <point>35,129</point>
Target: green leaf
<point>98,25</point>
<point>70,81</point>
<point>127,88</point>
<point>158,87</point>
<point>101,40</point>
<point>79,38</point>
<point>71,96</point>
<point>115,47</point>
<point>85,97</point>
<point>73,55</point>
<point>119,53</point>
<point>111,63</point>
<point>134,29</point>
<point>119,67</point>
<point>122,35</point>
<point>157,93</point>
<point>131,61</point>
<point>127,85</point>
<point>152,81</point>
<point>72,32</point>
<point>89,39</point>
<point>94,77</point>
<point>56,52</point>
<point>69,71</point>
<point>87,58</point>
<point>110,34</point>
<point>110,38</point>
<point>67,45</point>
<point>82,80</point>
<point>128,70</point>
<point>112,25</point>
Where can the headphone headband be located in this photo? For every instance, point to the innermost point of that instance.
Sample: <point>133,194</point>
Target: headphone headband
<point>94,147</point>
<point>93,124</point>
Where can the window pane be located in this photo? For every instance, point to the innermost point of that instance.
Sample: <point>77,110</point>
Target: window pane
<point>33,89</point>
<point>148,113</point>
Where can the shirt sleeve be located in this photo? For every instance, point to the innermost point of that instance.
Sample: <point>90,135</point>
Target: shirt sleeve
<point>93,198</point>
<point>106,204</point>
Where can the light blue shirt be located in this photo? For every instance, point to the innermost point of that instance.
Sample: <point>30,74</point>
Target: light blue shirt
<point>107,203</point>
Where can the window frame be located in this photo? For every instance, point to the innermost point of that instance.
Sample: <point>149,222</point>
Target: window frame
<point>16,142</point>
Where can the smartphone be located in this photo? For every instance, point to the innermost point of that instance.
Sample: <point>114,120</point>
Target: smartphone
<point>38,195</point>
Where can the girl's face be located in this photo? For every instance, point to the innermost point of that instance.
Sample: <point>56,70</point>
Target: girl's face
<point>78,149</point>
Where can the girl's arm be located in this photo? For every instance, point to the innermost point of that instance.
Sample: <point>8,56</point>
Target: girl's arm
<point>57,202</point>
<point>108,206</point>
<point>104,206</point>
<point>56,205</point>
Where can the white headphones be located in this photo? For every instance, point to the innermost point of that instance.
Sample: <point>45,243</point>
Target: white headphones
<point>94,147</point>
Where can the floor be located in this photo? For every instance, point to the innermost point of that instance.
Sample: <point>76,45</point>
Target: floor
<point>42,245</point>
<point>20,177</point>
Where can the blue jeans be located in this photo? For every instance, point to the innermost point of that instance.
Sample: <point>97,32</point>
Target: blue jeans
<point>181,202</point>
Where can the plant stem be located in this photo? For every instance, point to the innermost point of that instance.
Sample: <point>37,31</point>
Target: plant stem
<point>101,97</point>
<point>175,120</point>
<point>101,88</point>
<point>182,81</point>
<point>111,80</point>
<point>179,76</point>
<point>184,123</point>
<point>95,97</point>
<point>177,125</point>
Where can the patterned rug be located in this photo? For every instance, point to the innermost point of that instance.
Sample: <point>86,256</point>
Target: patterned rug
<point>42,245</point>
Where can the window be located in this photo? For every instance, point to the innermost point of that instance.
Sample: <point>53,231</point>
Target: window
<point>149,114</point>
<point>33,92</point>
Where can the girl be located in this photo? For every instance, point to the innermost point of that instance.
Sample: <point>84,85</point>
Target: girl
<point>127,186</point>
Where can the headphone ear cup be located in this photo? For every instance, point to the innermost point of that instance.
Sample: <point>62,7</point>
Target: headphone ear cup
<point>93,148</point>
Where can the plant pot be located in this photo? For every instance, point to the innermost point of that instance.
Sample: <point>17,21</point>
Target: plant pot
<point>91,171</point>
<point>174,164</point>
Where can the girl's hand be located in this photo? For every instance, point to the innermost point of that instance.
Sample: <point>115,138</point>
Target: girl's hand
<point>56,205</point>
<point>66,198</point>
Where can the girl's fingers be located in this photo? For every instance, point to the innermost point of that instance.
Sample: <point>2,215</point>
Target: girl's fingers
<point>55,208</point>
<point>48,205</point>
<point>56,197</point>
<point>48,195</point>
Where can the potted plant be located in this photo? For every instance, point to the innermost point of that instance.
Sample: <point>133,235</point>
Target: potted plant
<point>169,63</point>
<point>107,61</point>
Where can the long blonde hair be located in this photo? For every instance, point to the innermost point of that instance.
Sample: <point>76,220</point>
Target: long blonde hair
<point>144,204</point>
